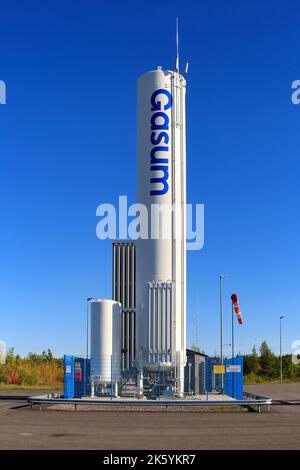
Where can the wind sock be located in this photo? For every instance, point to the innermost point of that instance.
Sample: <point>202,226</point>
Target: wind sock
<point>236,307</point>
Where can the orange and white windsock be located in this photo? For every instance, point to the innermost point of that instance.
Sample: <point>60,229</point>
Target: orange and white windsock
<point>236,307</point>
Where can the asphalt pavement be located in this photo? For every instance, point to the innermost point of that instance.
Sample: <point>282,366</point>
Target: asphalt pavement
<point>23,428</point>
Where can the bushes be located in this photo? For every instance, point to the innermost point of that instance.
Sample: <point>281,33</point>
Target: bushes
<point>2,374</point>
<point>35,369</point>
<point>253,379</point>
<point>25,378</point>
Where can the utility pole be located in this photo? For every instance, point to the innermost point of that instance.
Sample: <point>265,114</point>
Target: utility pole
<point>221,277</point>
<point>280,330</point>
<point>232,332</point>
<point>197,313</point>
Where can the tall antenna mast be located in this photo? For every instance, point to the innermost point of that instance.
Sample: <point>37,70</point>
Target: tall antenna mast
<point>177,45</point>
<point>197,320</point>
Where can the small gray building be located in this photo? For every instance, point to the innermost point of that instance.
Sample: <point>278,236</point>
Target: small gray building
<point>194,373</point>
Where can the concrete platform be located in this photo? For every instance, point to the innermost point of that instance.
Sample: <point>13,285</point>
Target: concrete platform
<point>213,397</point>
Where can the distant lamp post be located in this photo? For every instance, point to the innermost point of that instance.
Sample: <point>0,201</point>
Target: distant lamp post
<point>87,325</point>
<point>280,321</point>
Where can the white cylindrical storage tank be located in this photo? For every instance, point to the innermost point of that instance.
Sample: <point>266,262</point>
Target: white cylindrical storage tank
<point>105,341</point>
<point>161,187</point>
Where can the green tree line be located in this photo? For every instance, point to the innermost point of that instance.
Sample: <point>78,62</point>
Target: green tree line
<point>265,366</point>
<point>45,369</point>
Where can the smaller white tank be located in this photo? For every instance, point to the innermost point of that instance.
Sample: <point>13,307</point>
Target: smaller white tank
<point>105,341</point>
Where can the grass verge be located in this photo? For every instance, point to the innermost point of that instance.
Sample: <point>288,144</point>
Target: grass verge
<point>32,387</point>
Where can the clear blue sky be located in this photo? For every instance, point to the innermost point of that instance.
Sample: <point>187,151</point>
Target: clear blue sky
<point>67,144</point>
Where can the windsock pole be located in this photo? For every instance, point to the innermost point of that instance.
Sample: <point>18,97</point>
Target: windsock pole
<point>232,331</point>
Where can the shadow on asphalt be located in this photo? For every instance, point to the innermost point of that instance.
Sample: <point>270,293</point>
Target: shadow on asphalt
<point>14,397</point>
